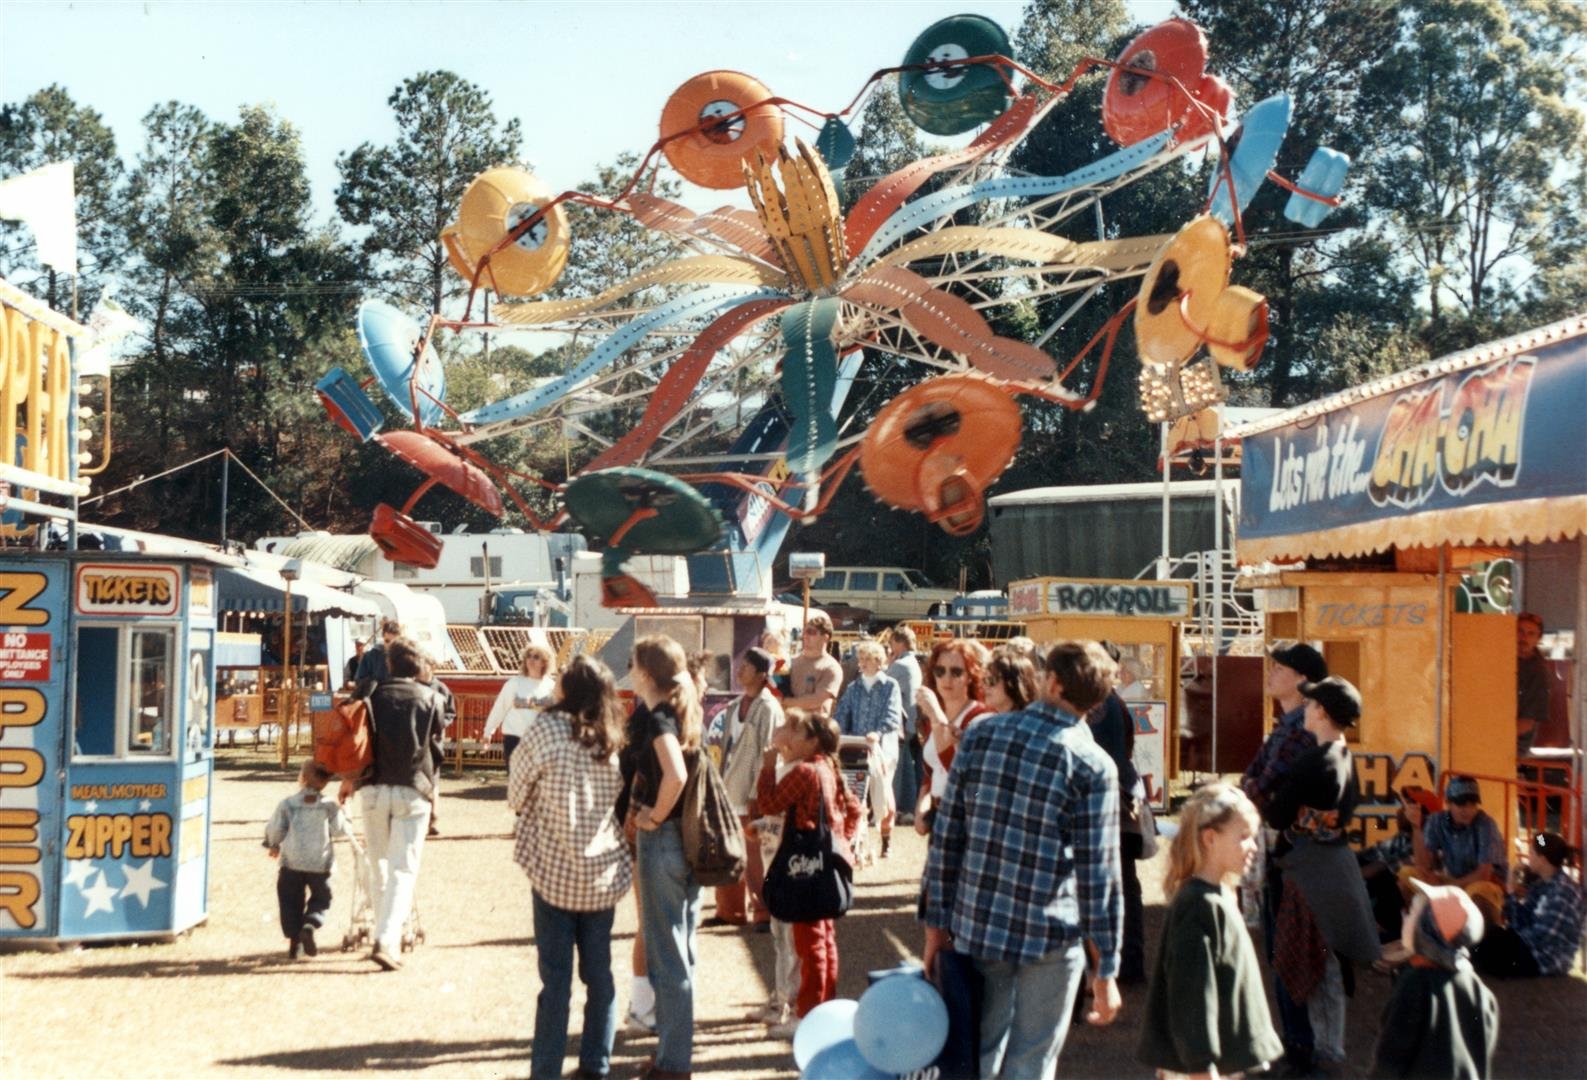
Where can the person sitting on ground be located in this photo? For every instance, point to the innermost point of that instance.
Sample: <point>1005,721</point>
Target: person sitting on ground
<point>1542,928</point>
<point>1382,862</point>
<point>1460,845</point>
<point>301,834</point>
<point>1440,1020</point>
<point>873,706</point>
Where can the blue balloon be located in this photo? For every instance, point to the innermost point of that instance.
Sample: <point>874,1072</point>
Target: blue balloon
<point>826,1025</point>
<point>901,1024</point>
<point>905,967</point>
<point>842,1061</point>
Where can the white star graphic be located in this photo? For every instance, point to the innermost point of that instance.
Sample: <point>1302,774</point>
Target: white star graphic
<point>141,882</point>
<point>101,896</point>
<point>144,805</point>
<point>91,806</point>
<point>78,872</point>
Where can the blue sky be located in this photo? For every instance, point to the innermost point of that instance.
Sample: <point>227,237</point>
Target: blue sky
<point>586,80</point>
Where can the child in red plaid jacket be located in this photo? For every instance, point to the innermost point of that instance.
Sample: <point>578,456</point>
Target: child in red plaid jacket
<point>809,742</point>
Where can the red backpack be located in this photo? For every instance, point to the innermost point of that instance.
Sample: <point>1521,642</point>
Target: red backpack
<point>341,738</point>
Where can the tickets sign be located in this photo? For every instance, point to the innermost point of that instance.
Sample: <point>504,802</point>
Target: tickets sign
<point>128,590</point>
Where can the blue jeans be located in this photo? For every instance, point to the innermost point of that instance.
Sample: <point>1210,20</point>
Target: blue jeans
<point>557,932</point>
<point>669,915</point>
<point>1025,1013</point>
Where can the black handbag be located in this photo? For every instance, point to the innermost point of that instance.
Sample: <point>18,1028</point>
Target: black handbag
<point>809,879</point>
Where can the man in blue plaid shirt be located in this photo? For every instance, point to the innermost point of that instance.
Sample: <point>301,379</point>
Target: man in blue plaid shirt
<point>1023,867</point>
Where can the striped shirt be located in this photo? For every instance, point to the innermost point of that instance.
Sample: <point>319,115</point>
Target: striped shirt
<point>567,838</point>
<point>1024,854</point>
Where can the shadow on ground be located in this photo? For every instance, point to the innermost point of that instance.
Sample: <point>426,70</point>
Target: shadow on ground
<point>398,1056</point>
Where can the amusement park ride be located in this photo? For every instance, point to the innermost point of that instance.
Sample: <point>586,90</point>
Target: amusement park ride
<point>774,305</point>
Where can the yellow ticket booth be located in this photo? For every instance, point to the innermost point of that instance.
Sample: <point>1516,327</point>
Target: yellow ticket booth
<point>1377,520</point>
<point>1143,618</point>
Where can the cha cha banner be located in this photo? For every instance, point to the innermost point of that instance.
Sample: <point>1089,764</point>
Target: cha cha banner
<point>1491,453</point>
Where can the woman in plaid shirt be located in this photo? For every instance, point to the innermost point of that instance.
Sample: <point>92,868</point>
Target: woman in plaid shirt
<point>811,741</point>
<point>564,787</point>
<point>1543,921</point>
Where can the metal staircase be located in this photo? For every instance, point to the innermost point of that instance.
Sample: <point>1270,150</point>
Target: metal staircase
<point>1220,612</point>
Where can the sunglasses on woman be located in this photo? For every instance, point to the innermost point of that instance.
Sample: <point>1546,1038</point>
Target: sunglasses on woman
<point>948,672</point>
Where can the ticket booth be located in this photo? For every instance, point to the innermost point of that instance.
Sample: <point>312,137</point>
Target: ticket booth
<point>106,761</point>
<point>1400,527</point>
<point>1143,618</point>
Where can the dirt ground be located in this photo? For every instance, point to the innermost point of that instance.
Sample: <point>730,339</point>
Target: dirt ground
<point>223,1000</point>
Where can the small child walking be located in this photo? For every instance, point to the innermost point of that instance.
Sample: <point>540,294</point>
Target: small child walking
<point>1441,1020</point>
<point>1206,1011</point>
<point>808,742</point>
<point>300,834</point>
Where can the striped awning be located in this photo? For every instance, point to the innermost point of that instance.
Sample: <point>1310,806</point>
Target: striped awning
<point>252,588</point>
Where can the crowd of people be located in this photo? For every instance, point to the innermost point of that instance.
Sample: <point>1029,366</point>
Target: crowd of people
<point>1016,763</point>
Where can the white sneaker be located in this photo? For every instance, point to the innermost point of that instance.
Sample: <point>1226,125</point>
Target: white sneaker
<point>642,1024</point>
<point>784,1030</point>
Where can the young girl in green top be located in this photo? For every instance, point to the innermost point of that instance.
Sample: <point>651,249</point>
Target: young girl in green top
<point>1206,1012</point>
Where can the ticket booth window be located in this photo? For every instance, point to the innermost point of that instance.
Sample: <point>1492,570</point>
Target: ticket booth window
<point>125,681</point>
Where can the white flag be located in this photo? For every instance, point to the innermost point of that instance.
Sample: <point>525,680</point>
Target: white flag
<point>46,201</point>
<point>108,325</point>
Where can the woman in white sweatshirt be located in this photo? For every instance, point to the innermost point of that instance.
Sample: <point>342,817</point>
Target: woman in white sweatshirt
<point>521,698</point>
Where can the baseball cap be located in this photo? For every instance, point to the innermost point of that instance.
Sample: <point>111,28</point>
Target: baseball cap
<point>1300,658</point>
<point>1461,788</point>
<point>1340,700</point>
<point>1427,800</point>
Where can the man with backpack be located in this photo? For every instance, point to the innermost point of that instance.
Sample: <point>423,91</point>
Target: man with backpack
<point>405,719</point>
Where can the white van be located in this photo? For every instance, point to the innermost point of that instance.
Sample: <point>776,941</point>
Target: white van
<point>891,593</point>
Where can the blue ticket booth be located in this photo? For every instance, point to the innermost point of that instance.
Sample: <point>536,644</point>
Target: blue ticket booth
<point>107,675</point>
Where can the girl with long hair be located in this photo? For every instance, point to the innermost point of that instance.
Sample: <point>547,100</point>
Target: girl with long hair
<point>567,839</point>
<point>948,701</point>
<point>807,745</point>
<point>1206,1011</point>
<point>1009,682</point>
<point>665,724</point>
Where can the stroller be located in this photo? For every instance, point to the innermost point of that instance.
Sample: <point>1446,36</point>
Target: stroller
<point>361,917</point>
<point>854,763</point>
